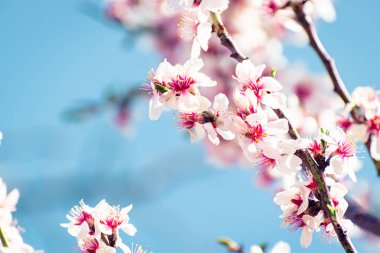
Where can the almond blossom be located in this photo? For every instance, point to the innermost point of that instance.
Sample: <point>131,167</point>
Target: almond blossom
<point>211,122</point>
<point>258,129</point>
<point>97,228</point>
<point>8,202</point>
<point>90,244</point>
<point>266,89</point>
<point>340,151</point>
<point>195,25</point>
<point>112,218</point>
<point>302,209</point>
<point>9,229</point>
<point>177,87</point>
<point>368,99</point>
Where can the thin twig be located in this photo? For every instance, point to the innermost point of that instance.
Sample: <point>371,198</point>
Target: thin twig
<point>306,22</point>
<point>316,172</point>
<point>224,37</point>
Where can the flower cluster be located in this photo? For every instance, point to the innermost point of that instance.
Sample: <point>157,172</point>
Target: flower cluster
<point>245,113</point>
<point>302,209</point>
<point>177,27</point>
<point>252,122</point>
<point>10,232</point>
<point>368,123</point>
<point>97,228</point>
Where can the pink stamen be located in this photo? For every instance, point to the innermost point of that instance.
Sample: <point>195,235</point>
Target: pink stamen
<point>256,133</point>
<point>181,84</point>
<point>346,148</point>
<point>187,120</point>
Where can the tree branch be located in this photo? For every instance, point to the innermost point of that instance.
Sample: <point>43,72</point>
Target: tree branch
<point>362,218</point>
<point>329,63</point>
<point>224,37</point>
<point>313,168</point>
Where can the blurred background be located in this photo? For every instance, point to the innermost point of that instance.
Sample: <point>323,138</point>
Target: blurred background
<point>53,53</point>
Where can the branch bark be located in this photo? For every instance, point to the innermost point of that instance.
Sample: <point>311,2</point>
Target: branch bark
<point>225,39</point>
<point>312,166</point>
<point>329,64</point>
<point>362,218</point>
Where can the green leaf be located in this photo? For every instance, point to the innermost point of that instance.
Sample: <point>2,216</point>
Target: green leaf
<point>161,89</point>
<point>273,72</point>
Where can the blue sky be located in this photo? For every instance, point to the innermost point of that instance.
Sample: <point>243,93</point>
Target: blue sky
<point>53,53</point>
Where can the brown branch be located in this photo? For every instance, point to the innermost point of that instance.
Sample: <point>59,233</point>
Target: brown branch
<point>313,168</point>
<point>366,221</point>
<point>225,38</point>
<point>329,63</point>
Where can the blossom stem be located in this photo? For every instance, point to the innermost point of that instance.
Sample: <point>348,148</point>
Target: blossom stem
<point>104,239</point>
<point>3,239</point>
<point>313,168</point>
<point>339,88</point>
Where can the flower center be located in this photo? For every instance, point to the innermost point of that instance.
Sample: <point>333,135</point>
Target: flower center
<point>89,245</point>
<point>295,221</point>
<point>315,148</point>
<point>346,149</point>
<point>256,133</point>
<point>187,120</point>
<point>181,83</point>
<point>256,87</point>
<point>263,162</point>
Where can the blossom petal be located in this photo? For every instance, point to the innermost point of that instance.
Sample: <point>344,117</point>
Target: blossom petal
<point>129,229</point>
<point>279,126</point>
<point>204,31</point>
<point>188,103</point>
<point>257,118</point>
<point>212,135</point>
<point>271,84</point>
<point>275,100</point>
<point>220,102</point>
<point>155,107</point>
<point>306,237</point>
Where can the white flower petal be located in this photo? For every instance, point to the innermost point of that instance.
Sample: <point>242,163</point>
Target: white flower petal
<point>279,126</point>
<point>220,102</point>
<point>275,100</point>
<point>188,103</point>
<point>306,237</point>
<point>271,84</point>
